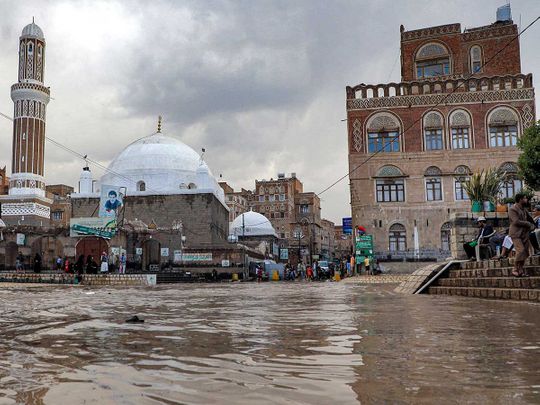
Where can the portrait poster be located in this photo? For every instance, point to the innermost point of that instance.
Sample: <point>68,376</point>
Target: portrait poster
<point>110,202</point>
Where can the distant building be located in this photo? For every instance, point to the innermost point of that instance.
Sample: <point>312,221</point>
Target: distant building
<point>4,182</point>
<point>343,242</point>
<point>237,201</point>
<point>457,117</point>
<point>60,194</point>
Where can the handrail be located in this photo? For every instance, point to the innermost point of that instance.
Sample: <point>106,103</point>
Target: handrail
<point>436,276</point>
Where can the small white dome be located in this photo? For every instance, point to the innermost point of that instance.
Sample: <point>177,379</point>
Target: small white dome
<point>160,164</point>
<point>254,224</point>
<point>32,30</point>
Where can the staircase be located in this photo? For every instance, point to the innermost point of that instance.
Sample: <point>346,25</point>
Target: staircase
<point>490,279</point>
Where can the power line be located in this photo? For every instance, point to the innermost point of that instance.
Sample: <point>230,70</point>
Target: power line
<point>461,83</point>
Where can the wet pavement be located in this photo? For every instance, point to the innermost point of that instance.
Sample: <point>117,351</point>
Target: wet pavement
<point>282,343</point>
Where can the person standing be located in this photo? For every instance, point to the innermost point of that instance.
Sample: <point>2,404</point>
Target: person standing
<point>366,264</point>
<point>59,264</point>
<point>122,268</point>
<point>37,263</point>
<point>19,263</point>
<point>104,263</point>
<point>521,224</point>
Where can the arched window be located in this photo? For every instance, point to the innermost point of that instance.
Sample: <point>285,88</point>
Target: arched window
<point>511,184</point>
<point>383,133</point>
<point>475,58</point>
<point>460,128</point>
<point>503,127</point>
<point>183,186</point>
<point>433,184</point>
<point>30,47</point>
<point>390,184</point>
<point>141,186</point>
<point>192,186</point>
<point>445,236</point>
<point>397,238</point>
<point>432,59</point>
<point>433,131</point>
<point>462,174</point>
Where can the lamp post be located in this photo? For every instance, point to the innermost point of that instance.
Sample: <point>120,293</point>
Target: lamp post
<point>299,235</point>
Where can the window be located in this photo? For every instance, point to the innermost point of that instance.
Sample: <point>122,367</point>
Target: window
<point>500,136</point>
<point>460,124</point>
<point>503,127</point>
<point>432,60</point>
<point>397,238</point>
<point>390,190</point>
<point>475,55</point>
<point>192,186</point>
<point>57,215</point>
<point>282,197</point>
<point>304,208</point>
<point>434,139</point>
<point>460,138</point>
<point>261,198</point>
<point>511,186</point>
<point>461,194</point>
<point>30,47</point>
<point>383,142</point>
<point>270,198</point>
<point>141,186</point>
<point>433,189</point>
<point>445,236</point>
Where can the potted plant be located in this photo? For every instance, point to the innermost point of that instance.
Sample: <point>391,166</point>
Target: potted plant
<point>493,179</point>
<point>508,201</point>
<point>474,187</point>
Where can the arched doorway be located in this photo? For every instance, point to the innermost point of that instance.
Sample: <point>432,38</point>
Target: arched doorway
<point>151,253</point>
<point>11,255</point>
<point>92,246</point>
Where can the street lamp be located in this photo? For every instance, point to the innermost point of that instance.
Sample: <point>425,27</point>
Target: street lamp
<point>298,234</point>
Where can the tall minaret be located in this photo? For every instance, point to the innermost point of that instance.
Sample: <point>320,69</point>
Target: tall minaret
<point>26,203</point>
<point>30,97</point>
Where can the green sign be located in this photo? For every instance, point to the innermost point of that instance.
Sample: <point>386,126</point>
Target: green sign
<point>364,245</point>
<point>102,227</point>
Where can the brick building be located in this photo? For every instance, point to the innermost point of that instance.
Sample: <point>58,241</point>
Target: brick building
<point>4,181</point>
<point>237,201</point>
<point>61,203</point>
<point>449,116</point>
<point>342,242</point>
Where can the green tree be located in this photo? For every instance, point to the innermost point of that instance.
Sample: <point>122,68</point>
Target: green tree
<point>529,160</point>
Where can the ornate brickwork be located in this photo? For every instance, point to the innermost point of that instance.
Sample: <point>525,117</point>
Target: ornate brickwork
<point>432,50</point>
<point>433,171</point>
<point>433,120</point>
<point>381,122</point>
<point>528,115</point>
<point>509,167</point>
<point>495,32</point>
<point>432,99</point>
<point>357,135</point>
<point>462,170</point>
<point>389,171</point>
<point>26,208</point>
<point>503,116</point>
<point>460,119</point>
<point>431,32</point>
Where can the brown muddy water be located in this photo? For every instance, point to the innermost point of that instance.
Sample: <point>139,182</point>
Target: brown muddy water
<point>328,343</point>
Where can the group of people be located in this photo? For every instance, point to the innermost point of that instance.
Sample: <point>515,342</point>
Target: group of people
<point>520,240</point>
<point>36,263</point>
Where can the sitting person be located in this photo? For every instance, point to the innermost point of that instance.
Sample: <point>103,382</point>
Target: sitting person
<point>485,232</point>
<point>535,235</point>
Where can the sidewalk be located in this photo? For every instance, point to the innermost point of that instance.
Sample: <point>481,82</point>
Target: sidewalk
<point>378,279</point>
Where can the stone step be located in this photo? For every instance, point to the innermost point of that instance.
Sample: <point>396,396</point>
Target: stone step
<point>491,282</point>
<point>496,272</point>
<point>485,264</point>
<point>494,293</point>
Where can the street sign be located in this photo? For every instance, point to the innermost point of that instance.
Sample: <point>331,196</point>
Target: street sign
<point>347,225</point>
<point>104,227</point>
<point>284,254</point>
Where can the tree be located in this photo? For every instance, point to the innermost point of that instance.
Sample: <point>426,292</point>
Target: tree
<point>529,160</point>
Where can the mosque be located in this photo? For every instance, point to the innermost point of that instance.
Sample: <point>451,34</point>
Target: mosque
<point>173,209</point>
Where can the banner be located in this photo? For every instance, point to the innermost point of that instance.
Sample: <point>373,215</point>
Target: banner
<point>164,252</point>
<point>110,202</point>
<point>284,254</point>
<point>197,257</point>
<point>103,227</point>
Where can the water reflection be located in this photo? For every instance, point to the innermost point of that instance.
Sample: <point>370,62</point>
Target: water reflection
<point>269,343</point>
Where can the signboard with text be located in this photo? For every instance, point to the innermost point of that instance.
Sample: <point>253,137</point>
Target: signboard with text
<point>284,254</point>
<point>197,257</point>
<point>103,227</point>
<point>347,225</point>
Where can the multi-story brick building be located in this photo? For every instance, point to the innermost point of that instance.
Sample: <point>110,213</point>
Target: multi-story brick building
<point>342,242</point>
<point>461,106</point>
<point>237,201</point>
<point>61,206</point>
<point>4,181</point>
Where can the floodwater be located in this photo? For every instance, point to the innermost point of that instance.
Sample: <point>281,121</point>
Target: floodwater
<point>271,343</point>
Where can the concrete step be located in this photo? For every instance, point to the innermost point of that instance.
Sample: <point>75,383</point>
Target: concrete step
<point>492,272</point>
<point>485,264</point>
<point>494,293</point>
<point>491,282</point>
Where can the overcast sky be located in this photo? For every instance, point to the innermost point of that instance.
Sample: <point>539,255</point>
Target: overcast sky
<point>259,84</point>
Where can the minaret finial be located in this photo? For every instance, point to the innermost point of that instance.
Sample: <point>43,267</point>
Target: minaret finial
<point>159,124</point>
<point>33,20</point>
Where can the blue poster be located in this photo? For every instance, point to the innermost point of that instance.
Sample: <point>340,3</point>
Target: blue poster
<point>347,226</point>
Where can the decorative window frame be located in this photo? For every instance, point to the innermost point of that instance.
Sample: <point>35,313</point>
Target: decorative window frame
<point>472,143</point>
<point>422,59</point>
<point>442,127</point>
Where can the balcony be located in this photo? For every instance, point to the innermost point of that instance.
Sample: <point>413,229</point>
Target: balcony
<point>447,89</point>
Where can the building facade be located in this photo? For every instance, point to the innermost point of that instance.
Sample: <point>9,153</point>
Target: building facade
<point>461,106</point>
<point>237,201</point>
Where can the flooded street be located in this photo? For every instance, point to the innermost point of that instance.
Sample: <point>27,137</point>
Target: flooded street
<point>328,343</point>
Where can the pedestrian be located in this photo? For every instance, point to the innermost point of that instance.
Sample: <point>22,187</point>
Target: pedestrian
<point>122,267</point>
<point>259,273</point>
<point>19,263</point>
<point>37,263</point>
<point>309,273</point>
<point>104,263</point>
<point>59,264</point>
<point>79,265</point>
<point>366,264</point>
<point>521,224</point>
<point>67,265</point>
<point>301,271</point>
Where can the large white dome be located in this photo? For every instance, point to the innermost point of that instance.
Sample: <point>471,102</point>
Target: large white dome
<point>252,224</point>
<point>160,164</point>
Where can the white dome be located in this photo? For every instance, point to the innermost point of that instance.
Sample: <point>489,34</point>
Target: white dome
<point>32,30</point>
<point>254,224</point>
<point>159,164</point>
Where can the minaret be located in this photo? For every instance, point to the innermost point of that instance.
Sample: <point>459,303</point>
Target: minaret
<point>30,97</point>
<point>26,203</point>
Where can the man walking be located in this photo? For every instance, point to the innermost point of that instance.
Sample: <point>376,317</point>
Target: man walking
<point>521,224</point>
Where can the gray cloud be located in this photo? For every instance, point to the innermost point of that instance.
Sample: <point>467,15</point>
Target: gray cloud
<point>259,84</point>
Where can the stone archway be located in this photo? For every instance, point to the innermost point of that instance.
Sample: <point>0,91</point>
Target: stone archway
<point>151,253</point>
<point>91,246</point>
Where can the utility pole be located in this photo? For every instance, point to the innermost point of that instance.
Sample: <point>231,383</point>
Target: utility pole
<point>246,272</point>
